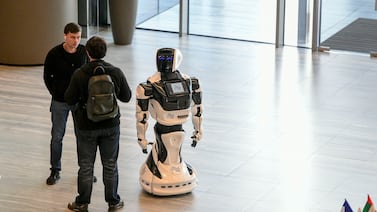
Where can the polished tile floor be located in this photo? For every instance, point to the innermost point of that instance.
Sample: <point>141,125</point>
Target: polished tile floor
<point>284,130</point>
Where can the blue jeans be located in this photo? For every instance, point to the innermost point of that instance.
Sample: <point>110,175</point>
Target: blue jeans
<point>107,140</point>
<point>59,115</point>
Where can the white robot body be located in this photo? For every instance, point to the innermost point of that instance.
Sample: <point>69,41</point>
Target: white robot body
<point>168,118</point>
<point>170,98</point>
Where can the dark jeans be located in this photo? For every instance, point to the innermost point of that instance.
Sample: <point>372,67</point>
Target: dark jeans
<point>59,115</point>
<point>107,141</point>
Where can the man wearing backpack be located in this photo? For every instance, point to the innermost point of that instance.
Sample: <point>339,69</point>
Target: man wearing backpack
<point>92,134</point>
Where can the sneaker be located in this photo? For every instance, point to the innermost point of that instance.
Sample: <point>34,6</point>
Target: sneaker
<point>117,206</point>
<point>53,178</point>
<point>76,207</point>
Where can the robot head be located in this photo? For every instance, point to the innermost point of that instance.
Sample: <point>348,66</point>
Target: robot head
<point>168,59</point>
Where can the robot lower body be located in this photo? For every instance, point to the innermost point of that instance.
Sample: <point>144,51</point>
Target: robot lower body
<point>164,173</point>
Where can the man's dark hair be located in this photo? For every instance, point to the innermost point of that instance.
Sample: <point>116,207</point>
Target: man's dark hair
<point>96,47</point>
<point>72,28</point>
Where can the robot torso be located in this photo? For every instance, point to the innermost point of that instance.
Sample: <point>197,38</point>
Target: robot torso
<point>169,99</point>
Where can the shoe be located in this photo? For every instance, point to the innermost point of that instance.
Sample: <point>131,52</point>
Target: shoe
<point>53,178</point>
<point>117,206</point>
<point>76,207</point>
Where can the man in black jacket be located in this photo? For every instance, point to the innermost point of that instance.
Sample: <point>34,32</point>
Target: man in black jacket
<point>90,135</point>
<point>60,63</point>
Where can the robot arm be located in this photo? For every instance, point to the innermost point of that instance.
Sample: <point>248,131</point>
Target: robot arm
<point>143,93</point>
<point>196,110</point>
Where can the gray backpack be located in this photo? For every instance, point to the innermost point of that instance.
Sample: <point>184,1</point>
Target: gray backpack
<point>102,103</point>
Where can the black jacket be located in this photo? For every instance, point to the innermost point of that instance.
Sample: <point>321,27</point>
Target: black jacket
<point>58,68</point>
<point>77,93</point>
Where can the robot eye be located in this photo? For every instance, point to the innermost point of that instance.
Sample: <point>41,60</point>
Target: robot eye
<point>167,58</point>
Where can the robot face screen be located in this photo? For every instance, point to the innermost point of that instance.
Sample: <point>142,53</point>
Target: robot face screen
<point>165,61</point>
<point>168,58</point>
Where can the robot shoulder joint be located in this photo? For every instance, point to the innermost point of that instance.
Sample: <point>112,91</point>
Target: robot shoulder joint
<point>195,83</point>
<point>144,90</point>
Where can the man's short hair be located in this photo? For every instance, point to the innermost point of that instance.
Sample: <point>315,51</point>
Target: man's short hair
<point>96,47</point>
<point>72,28</point>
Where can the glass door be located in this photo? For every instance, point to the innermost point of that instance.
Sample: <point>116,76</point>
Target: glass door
<point>298,23</point>
<point>161,15</point>
<point>93,16</point>
<point>252,20</point>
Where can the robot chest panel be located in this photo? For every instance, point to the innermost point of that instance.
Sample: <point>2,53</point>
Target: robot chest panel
<point>172,95</point>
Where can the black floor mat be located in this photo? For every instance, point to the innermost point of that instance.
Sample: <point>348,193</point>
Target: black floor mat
<point>359,36</point>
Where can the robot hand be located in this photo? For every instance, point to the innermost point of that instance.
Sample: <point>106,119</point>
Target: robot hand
<point>196,136</point>
<point>143,144</point>
<point>193,144</point>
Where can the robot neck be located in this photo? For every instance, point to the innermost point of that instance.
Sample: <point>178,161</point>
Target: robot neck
<point>170,75</point>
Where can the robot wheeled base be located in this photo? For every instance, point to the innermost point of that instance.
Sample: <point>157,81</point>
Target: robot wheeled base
<point>167,180</point>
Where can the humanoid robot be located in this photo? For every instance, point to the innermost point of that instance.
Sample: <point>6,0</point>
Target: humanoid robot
<point>170,97</point>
